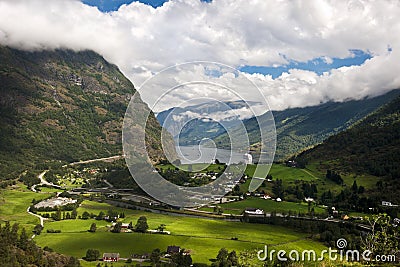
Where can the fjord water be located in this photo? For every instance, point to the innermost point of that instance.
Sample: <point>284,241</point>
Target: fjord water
<point>203,154</point>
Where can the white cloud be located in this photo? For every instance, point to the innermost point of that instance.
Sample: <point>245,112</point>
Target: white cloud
<point>142,40</point>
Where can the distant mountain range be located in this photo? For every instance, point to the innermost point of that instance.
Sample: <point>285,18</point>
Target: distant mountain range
<point>62,106</point>
<point>190,125</point>
<point>301,128</point>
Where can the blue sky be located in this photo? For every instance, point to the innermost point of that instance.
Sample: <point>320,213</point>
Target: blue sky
<point>318,65</point>
<point>113,5</point>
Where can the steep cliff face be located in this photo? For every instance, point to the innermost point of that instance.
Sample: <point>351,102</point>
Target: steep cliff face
<point>62,106</point>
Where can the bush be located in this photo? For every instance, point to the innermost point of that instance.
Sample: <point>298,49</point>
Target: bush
<point>92,255</point>
<point>52,231</point>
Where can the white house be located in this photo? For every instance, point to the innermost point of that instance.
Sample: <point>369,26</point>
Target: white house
<point>308,199</point>
<point>254,211</point>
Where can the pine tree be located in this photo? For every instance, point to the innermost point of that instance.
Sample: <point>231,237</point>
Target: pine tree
<point>74,214</point>
<point>354,187</point>
<point>23,240</point>
<point>93,228</point>
<point>141,225</point>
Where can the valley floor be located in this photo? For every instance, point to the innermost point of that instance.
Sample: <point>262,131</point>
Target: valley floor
<point>203,237</point>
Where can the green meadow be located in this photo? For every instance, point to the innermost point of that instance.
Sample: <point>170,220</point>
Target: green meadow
<point>14,204</point>
<point>269,205</point>
<point>204,237</point>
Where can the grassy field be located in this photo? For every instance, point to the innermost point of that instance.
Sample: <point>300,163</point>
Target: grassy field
<point>288,176</point>
<point>14,204</point>
<point>44,189</point>
<point>237,207</point>
<point>365,180</point>
<point>313,173</point>
<point>70,181</point>
<point>204,237</point>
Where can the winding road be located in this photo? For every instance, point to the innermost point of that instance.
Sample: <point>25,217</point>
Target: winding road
<point>107,159</point>
<point>28,210</point>
<point>44,182</point>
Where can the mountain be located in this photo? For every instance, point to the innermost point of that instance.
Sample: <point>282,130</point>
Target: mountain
<point>192,124</point>
<point>300,128</point>
<point>371,146</point>
<point>63,106</point>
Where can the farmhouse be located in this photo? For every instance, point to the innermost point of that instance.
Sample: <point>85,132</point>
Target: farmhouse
<point>123,225</point>
<point>110,257</point>
<point>253,211</point>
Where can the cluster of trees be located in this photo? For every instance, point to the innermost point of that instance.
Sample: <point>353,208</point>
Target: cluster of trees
<point>277,188</point>
<point>298,192</point>
<point>59,215</point>
<point>4,184</point>
<point>37,229</point>
<point>141,226</point>
<point>176,176</point>
<point>305,189</point>
<point>17,249</point>
<point>334,176</point>
<point>353,198</point>
<point>120,177</point>
<point>53,231</point>
<point>181,259</point>
<point>110,216</point>
<point>327,232</point>
<point>225,258</point>
<point>181,177</point>
<point>92,255</point>
<point>29,178</point>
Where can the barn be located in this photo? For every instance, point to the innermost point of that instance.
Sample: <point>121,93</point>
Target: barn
<point>109,257</point>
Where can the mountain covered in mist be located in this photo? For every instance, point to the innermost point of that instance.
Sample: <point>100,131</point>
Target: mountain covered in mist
<point>301,128</point>
<point>190,125</point>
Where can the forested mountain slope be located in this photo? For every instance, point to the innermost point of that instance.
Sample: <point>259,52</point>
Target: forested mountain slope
<point>371,146</point>
<point>62,106</point>
<point>300,128</point>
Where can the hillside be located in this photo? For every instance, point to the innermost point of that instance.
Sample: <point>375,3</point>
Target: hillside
<point>62,106</point>
<point>300,128</point>
<point>371,146</point>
